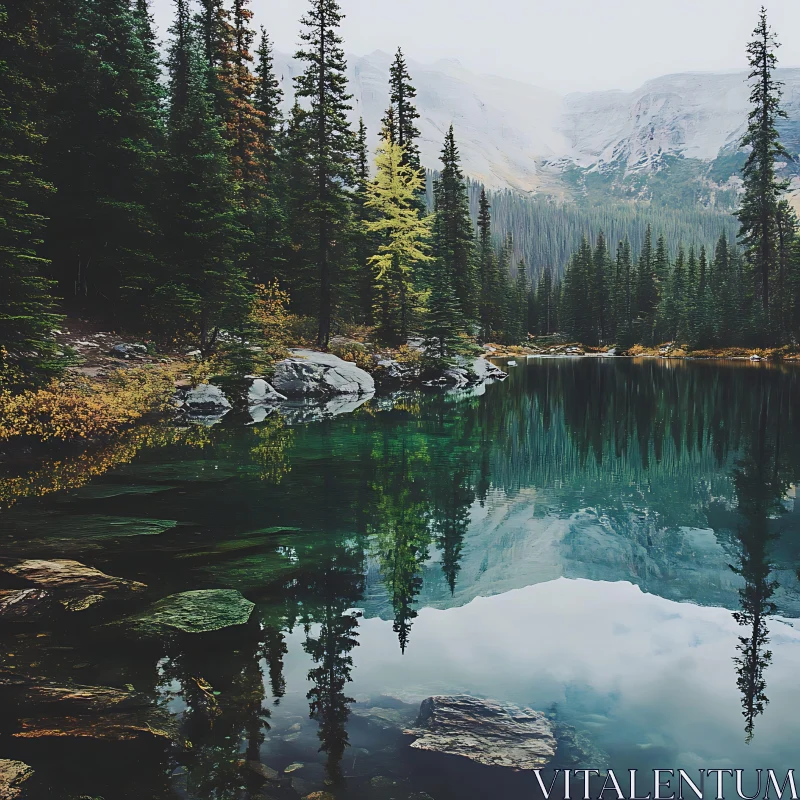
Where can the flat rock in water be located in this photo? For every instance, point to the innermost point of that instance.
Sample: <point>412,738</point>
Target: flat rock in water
<point>71,578</point>
<point>484,731</point>
<point>199,611</point>
<point>153,724</point>
<point>13,775</point>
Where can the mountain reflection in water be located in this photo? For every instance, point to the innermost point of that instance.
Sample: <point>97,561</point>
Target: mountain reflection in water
<point>612,541</point>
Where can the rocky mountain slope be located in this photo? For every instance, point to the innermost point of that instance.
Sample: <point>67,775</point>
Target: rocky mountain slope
<point>516,135</point>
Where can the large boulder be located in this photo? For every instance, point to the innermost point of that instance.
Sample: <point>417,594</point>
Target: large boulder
<point>308,373</point>
<point>501,735</point>
<point>13,776</point>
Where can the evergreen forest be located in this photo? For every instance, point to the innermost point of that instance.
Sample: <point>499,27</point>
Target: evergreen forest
<point>159,189</point>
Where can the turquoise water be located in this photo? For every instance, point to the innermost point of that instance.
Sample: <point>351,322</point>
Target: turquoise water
<point>612,542</point>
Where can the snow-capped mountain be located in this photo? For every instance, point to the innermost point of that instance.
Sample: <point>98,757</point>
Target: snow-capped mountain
<point>513,134</point>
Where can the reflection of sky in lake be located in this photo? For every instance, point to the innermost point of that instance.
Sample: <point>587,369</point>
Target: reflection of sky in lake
<point>651,679</point>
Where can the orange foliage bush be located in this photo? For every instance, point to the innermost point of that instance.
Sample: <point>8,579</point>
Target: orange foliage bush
<point>81,409</point>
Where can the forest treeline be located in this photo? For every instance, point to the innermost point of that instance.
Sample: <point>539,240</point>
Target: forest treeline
<point>170,197</point>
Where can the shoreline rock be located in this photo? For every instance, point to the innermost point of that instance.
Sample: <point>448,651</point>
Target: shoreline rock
<point>311,374</point>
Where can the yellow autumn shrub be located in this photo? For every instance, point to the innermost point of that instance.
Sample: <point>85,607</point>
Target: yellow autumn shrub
<point>80,409</point>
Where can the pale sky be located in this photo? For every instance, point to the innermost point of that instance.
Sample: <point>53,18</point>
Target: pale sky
<point>563,45</point>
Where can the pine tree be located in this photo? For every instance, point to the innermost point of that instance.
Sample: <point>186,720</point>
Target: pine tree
<point>103,155</point>
<point>323,84</point>
<point>646,285</point>
<point>576,310</point>
<point>403,247</point>
<point>402,94</point>
<point>214,22</point>
<point>268,215</point>
<point>205,290</point>
<point>783,296</point>
<point>452,239</point>
<point>600,290</point>
<point>246,123</point>
<point>546,300</point>
<point>27,315</point>
<point>626,295</point>
<point>267,99</point>
<point>487,269</point>
<point>759,207</point>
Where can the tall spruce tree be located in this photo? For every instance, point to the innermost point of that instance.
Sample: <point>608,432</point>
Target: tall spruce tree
<point>103,153</point>
<point>759,208</point>
<point>600,297</point>
<point>487,269</point>
<point>401,96</point>
<point>204,290</point>
<point>323,85</point>
<point>267,99</point>
<point>647,287</point>
<point>452,231</point>
<point>27,315</point>
<point>546,301</point>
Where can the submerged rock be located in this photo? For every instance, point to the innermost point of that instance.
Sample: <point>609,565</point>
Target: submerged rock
<point>484,731</point>
<point>24,604</point>
<point>199,611</point>
<point>13,776</point>
<point>308,373</point>
<point>125,726</point>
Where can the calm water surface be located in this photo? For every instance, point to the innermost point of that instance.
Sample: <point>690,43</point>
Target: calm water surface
<point>615,543</point>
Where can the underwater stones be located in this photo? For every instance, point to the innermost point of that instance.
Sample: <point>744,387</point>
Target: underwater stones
<point>153,724</point>
<point>264,772</point>
<point>386,718</point>
<point>307,373</point>
<point>198,611</point>
<point>74,711</point>
<point>27,604</point>
<point>13,775</point>
<point>319,796</point>
<point>484,731</point>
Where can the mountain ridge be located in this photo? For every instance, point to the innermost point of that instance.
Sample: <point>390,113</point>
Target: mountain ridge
<point>516,135</point>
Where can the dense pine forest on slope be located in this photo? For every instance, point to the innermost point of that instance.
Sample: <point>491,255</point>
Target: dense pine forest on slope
<point>170,198</point>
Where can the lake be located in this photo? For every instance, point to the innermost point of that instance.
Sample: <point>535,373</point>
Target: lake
<point>613,542</point>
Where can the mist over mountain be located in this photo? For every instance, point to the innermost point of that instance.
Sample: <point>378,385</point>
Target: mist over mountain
<point>514,135</point>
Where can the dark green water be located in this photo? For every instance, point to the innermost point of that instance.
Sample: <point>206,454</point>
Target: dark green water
<point>615,543</point>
